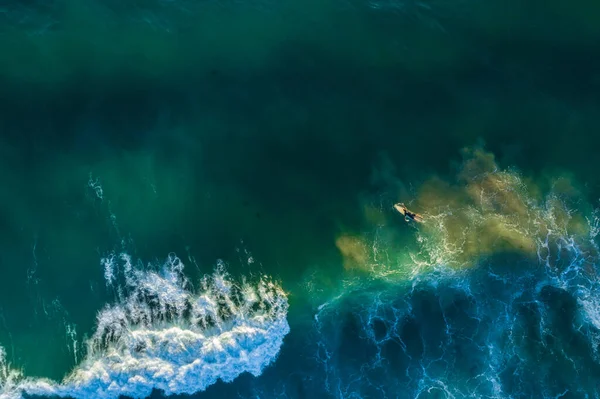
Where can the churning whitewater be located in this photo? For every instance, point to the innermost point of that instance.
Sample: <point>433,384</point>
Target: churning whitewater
<point>163,334</point>
<point>503,300</point>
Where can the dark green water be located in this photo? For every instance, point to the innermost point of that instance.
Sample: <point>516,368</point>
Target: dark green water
<point>219,127</point>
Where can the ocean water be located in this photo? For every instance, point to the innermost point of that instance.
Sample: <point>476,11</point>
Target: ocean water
<point>198,199</point>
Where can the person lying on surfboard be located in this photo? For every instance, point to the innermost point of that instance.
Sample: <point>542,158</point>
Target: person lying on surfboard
<point>408,215</point>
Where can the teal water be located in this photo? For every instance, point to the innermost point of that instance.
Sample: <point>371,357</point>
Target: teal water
<point>263,133</point>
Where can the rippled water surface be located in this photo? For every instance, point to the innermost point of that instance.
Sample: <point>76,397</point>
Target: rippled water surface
<point>198,199</point>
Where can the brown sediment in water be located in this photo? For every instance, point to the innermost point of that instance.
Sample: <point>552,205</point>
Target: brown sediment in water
<point>484,212</point>
<point>354,251</point>
<point>490,211</point>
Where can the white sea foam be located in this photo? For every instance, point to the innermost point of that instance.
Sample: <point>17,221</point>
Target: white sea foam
<point>164,335</point>
<point>466,322</point>
<point>9,378</point>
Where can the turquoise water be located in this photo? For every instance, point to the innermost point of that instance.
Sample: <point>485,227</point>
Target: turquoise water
<point>269,140</point>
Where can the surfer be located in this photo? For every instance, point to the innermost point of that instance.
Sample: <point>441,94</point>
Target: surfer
<point>408,215</point>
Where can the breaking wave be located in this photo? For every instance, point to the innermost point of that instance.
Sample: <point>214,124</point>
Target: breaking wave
<point>166,335</point>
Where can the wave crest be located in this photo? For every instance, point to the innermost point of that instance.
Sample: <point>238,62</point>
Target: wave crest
<point>167,336</point>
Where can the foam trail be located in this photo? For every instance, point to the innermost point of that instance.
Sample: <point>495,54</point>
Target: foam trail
<point>163,335</point>
<point>503,299</point>
<point>8,378</point>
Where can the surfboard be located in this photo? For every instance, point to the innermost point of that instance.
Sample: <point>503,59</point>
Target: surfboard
<point>400,209</point>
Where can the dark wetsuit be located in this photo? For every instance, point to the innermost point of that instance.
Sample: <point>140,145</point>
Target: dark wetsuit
<point>412,216</point>
<point>408,215</point>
